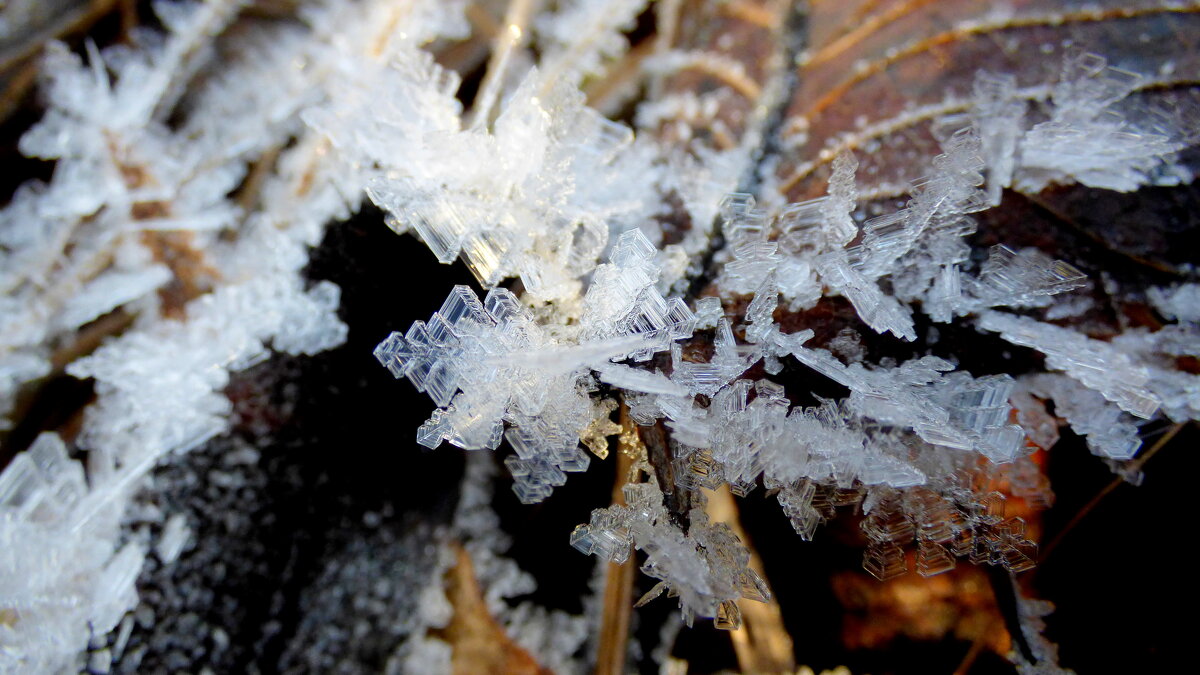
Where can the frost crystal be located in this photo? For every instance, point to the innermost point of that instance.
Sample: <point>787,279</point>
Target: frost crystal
<point>651,275</point>
<point>473,362</point>
<point>1095,364</point>
<point>1096,134</point>
<point>537,197</point>
<point>584,34</point>
<point>1109,431</point>
<point>487,363</point>
<point>707,568</point>
<point>1181,302</point>
<point>1086,138</point>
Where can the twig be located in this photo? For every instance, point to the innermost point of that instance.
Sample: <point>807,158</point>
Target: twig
<point>469,54</point>
<point>79,20</point>
<point>511,37</point>
<point>762,643</point>
<point>260,170</point>
<point>1135,465</point>
<point>17,87</point>
<point>667,22</point>
<point>975,650</point>
<point>607,93</point>
<point>618,593</point>
<point>128,11</point>
<point>479,643</point>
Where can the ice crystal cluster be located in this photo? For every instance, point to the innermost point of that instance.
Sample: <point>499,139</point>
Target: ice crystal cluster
<point>185,196</point>
<point>487,363</point>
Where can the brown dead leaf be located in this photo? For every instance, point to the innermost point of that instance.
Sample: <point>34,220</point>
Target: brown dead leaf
<point>479,643</point>
<point>956,604</point>
<point>877,73</point>
<point>762,643</point>
<point>191,274</point>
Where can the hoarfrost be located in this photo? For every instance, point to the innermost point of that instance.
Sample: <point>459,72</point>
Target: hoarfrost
<point>151,139</point>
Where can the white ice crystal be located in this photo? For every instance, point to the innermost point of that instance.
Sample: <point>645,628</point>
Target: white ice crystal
<point>707,567</point>
<point>1109,431</point>
<point>583,34</point>
<point>1095,364</point>
<point>1180,302</point>
<point>536,197</point>
<point>237,148</point>
<point>1177,390</point>
<point>491,362</point>
<point>1088,140</point>
<point>1095,135</point>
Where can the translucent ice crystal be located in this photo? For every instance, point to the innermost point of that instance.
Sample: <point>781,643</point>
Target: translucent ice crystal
<point>1088,140</point>
<point>878,310</point>
<point>998,116</point>
<point>953,410</point>
<point>491,362</point>
<point>707,568</point>
<point>949,191</point>
<point>729,361</point>
<point>622,300</point>
<point>1109,431</point>
<point>1097,365</point>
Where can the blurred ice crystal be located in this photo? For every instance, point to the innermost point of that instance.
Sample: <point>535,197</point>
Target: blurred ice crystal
<point>584,34</point>
<point>1096,134</point>
<point>1087,139</point>
<point>1180,302</point>
<point>141,411</point>
<point>1159,353</point>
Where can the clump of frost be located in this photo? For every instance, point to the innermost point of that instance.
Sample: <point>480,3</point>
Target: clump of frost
<point>1180,302</point>
<point>491,362</point>
<point>1095,134</point>
<point>1097,365</point>
<point>148,146</point>
<point>48,513</point>
<point>583,35</point>
<point>536,196</point>
<point>1110,432</point>
<point>708,567</point>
